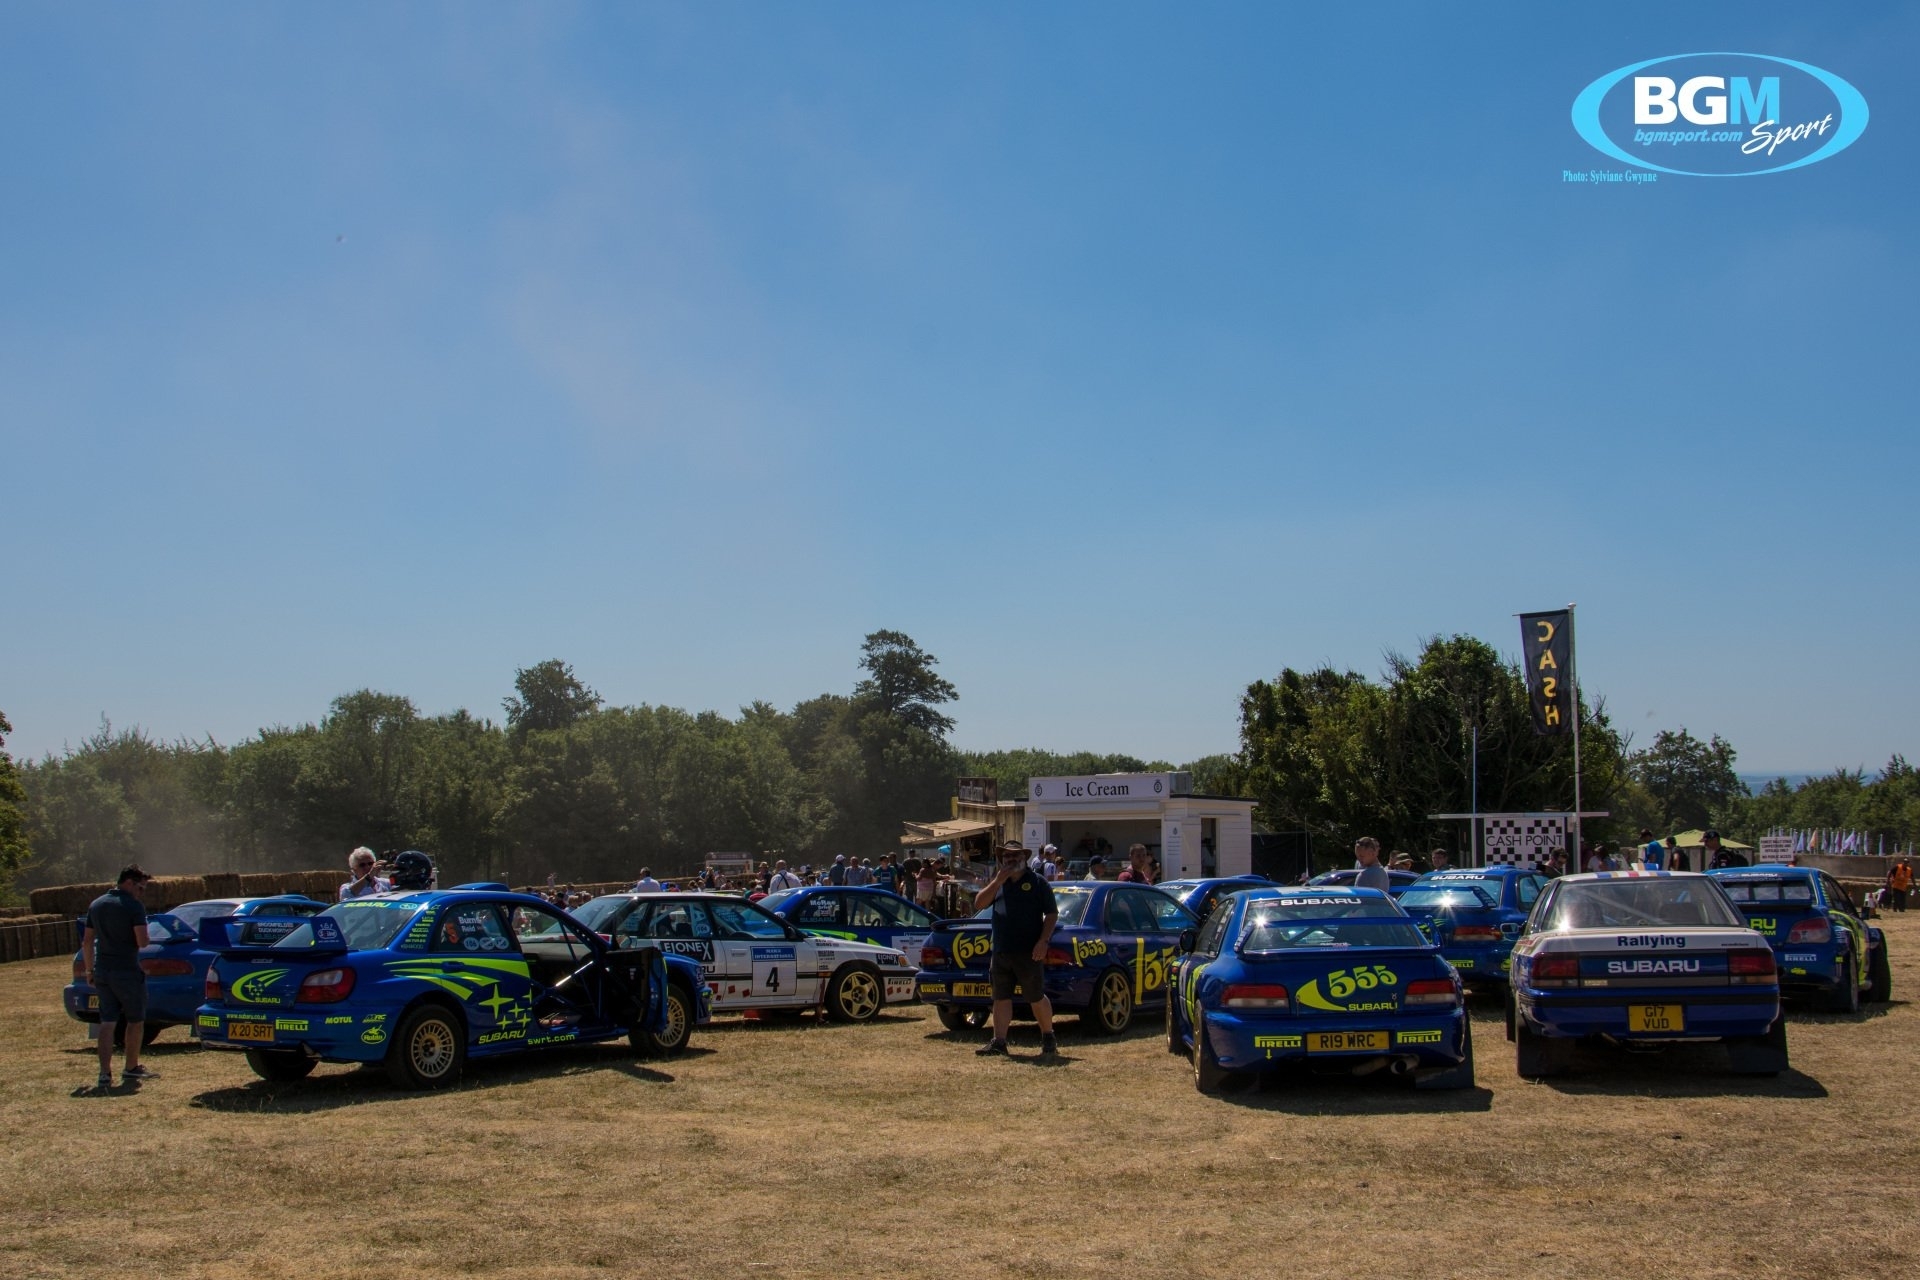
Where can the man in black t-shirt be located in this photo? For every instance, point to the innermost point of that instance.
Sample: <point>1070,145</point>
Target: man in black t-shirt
<point>1024,914</point>
<point>110,960</point>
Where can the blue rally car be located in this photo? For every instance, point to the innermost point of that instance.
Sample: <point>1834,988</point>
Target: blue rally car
<point>176,963</point>
<point>421,981</point>
<point>1201,896</point>
<point>1823,945</point>
<point>1112,951</point>
<point>856,913</point>
<point>1474,915</point>
<point>1336,980</point>
<point>1642,959</point>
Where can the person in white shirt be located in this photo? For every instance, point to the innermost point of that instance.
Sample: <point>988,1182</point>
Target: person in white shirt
<point>782,878</point>
<point>361,863</point>
<point>1050,862</point>
<point>646,883</point>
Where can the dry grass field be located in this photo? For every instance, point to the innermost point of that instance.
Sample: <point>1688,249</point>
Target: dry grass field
<point>890,1150</point>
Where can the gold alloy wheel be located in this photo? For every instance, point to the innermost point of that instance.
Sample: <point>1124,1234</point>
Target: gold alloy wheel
<point>430,1049</point>
<point>859,997</point>
<point>1116,1003</point>
<point>677,1016</point>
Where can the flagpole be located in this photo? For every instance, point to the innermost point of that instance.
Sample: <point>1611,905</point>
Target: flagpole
<point>1573,678</point>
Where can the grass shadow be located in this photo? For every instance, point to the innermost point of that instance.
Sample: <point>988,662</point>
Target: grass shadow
<point>1681,1072</point>
<point>1305,1093</point>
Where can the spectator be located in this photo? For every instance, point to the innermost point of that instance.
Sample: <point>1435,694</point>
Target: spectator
<point>362,866</point>
<point>1024,913</point>
<point>1717,856</point>
<point>1556,865</point>
<point>1139,865</point>
<point>1440,860</point>
<point>926,884</point>
<point>859,874</point>
<point>837,873</point>
<point>1675,857</point>
<point>1653,854</point>
<point>110,961</point>
<point>1899,880</point>
<point>1050,863</point>
<point>782,878</point>
<point>646,883</point>
<point>1366,856</point>
<point>1401,862</point>
<point>1096,868</point>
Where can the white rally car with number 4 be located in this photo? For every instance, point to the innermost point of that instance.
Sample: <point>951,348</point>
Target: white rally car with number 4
<point>751,958</point>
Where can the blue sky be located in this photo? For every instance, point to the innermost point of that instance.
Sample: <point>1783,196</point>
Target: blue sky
<point>1119,354</point>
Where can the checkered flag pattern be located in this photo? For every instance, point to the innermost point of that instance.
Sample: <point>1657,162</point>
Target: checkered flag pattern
<point>1521,841</point>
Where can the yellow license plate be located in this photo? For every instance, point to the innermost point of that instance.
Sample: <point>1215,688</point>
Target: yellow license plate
<point>972,989</point>
<point>93,1002</point>
<point>1656,1018</point>
<point>1346,1041</point>
<point>250,1031</point>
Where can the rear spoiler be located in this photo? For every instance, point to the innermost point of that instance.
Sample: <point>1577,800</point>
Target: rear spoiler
<point>250,935</point>
<point>948,926</point>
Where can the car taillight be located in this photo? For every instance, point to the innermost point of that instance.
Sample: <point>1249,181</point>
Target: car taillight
<point>79,967</point>
<point>165,968</point>
<point>325,987</point>
<point>933,955</point>
<point>1058,956</point>
<point>1814,929</point>
<point>1248,995</point>
<point>1556,971</point>
<point>213,990</point>
<point>1476,933</point>
<point>1430,991</point>
<point>1754,966</point>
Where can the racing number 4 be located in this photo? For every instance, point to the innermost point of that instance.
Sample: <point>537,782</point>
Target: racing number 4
<point>1342,983</point>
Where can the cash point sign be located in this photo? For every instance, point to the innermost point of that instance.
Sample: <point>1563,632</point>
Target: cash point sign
<point>1720,115</point>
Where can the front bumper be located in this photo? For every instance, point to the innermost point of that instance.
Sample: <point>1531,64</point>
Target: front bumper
<point>1247,1042</point>
<point>1706,1015</point>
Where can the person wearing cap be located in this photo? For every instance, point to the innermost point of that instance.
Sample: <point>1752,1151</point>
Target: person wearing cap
<point>1024,913</point>
<point>110,961</point>
<point>361,866</point>
<point>1050,863</point>
<point>837,873</point>
<point>1718,857</point>
<point>1096,868</point>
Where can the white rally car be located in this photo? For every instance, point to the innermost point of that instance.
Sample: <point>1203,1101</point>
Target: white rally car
<point>751,958</point>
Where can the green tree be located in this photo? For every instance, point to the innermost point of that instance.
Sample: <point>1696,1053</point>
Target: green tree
<point>551,697</point>
<point>15,849</point>
<point>901,684</point>
<point>1690,783</point>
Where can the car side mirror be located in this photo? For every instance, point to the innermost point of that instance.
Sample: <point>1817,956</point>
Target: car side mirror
<point>1188,939</point>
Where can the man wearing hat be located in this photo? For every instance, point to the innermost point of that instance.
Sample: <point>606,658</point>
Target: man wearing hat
<point>1024,914</point>
<point>1718,857</point>
<point>110,961</point>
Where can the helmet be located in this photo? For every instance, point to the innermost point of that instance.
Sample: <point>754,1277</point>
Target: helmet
<point>413,870</point>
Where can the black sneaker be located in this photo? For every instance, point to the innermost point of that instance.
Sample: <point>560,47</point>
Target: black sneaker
<point>141,1072</point>
<point>103,1084</point>
<point>1047,1046</point>
<point>992,1048</point>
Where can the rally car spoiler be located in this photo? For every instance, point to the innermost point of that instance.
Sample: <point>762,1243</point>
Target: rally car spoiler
<point>238,935</point>
<point>948,926</point>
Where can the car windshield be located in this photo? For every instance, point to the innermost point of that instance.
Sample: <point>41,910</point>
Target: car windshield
<point>1640,903</point>
<point>1291,924</point>
<point>367,925</point>
<point>157,931</point>
<point>595,914</point>
<point>1453,895</point>
<point>192,913</point>
<point>1767,892</point>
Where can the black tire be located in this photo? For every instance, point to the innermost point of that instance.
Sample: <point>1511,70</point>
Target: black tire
<point>1536,1056</point>
<point>954,1018</point>
<point>1760,1055</point>
<point>1112,1009</point>
<point>429,1049</point>
<point>280,1066</point>
<point>1846,997</point>
<point>1513,1014</point>
<point>1880,975</point>
<point>1459,1077</point>
<point>678,1031</point>
<point>1209,1077</point>
<point>856,993</point>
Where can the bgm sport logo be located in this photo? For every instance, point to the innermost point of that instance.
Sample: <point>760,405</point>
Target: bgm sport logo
<point>1720,115</point>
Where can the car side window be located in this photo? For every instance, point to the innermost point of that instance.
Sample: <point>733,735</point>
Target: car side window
<point>544,934</point>
<point>471,926</point>
<point>821,908</point>
<point>1120,913</point>
<point>1529,890</point>
<point>1542,910</point>
<point>868,913</point>
<point>1212,933</point>
<point>903,913</point>
<point>1837,895</point>
<point>737,920</point>
<point>676,920</point>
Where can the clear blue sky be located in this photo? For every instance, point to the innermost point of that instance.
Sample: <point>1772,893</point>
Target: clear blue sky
<point>1119,354</point>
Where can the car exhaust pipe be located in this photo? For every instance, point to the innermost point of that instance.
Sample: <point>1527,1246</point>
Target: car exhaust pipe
<point>1405,1063</point>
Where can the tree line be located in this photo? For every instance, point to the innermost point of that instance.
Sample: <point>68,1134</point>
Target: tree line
<point>568,784</point>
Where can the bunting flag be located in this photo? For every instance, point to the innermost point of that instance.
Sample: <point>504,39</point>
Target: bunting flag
<point>1800,842</point>
<point>1546,641</point>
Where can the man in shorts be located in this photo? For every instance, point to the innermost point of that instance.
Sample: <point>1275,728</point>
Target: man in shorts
<point>110,960</point>
<point>1024,914</point>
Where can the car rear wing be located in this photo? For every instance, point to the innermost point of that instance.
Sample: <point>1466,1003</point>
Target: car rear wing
<point>960,922</point>
<point>245,935</point>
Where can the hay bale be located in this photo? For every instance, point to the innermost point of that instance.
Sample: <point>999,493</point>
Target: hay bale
<point>222,884</point>
<point>262,885</point>
<point>324,885</point>
<point>66,899</point>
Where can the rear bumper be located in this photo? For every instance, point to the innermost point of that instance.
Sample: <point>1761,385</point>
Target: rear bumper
<point>1805,971</point>
<point>335,1037</point>
<point>1245,1043</point>
<point>1481,965</point>
<point>1065,987</point>
<point>1706,1015</point>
